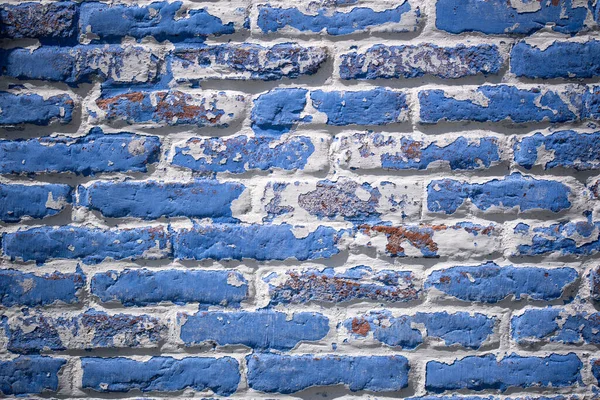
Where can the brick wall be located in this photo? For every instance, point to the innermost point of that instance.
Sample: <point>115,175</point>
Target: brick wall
<point>305,199</point>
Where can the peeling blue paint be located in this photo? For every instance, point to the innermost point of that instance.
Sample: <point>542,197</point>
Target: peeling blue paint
<point>87,155</point>
<point>253,61</point>
<point>378,106</point>
<point>34,201</point>
<point>555,325</point>
<point>27,289</point>
<point>273,373</point>
<point>567,149</point>
<point>499,17</point>
<point>161,374</point>
<point>34,109</point>
<point>90,245</point>
<point>75,64</point>
<point>389,62</point>
<point>559,60</point>
<point>142,287</point>
<point>277,111</point>
<point>526,193</point>
<point>504,102</point>
<point>332,199</point>
<point>30,375</point>
<point>40,332</point>
<point>260,330</point>
<point>460,154</point>
<point>490,283</point>
<point>171,107</point>
<point>460,328</point>
<point>273,19</point>
<point>110,23</point>
<point>50,22</point>
<point>259,242</point>
<point>241,153</point>
<point>200,199</point>
<point>594,280</point>
<point>355,283</point>
<point>486,372</point>
<point>561,238</point>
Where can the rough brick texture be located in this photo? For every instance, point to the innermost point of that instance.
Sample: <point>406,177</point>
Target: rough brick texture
<point>310,199</point>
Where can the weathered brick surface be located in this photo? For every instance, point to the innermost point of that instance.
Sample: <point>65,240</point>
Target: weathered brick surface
<point>300,199</point>
<point>88,245</point>
<point>81,63</point>
<point>257,330</point>
<point>145,287</point>
<point>458,329</point>
<point>30,375</point>
<point>28,289</point>
<point>555,325</point>
<point>93,153</point>
<point>490,283</point>
<point>35,201</point>
<point>288,374</point>
<point>487,372</point>
<point>407,62</point>
<point>329,286</point>
<point>247,61</point>
<point>513,17</point>
<point>337,17</point>
<point>34,109</point>
<point>161,374</point>
<point>216,109</point>
<point>91,330</point>
<point>130,199</point>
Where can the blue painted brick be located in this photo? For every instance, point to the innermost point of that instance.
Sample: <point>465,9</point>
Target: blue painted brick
<point>259,242</point>
<point>594,279</point>
<point>524,192</point>
<point>596,369</point>
<point>378,106</point>
<point>33,333</point>
<point>110,23</point>
<point>87,155</point>
<point>486,372</point>
<point>555,324</point>
<point>142,287</point>
<point>90,245</point>
<point>35,109</point>
<point>81,63</point>
<point>258,330</point>
<point>199,199</point>
<point>215,109</point>
<point>376,150</point>
<point>563,238</point>
<point>27,289</point>
<point>566,149</point>
<point>490,283</point>
<point>559,60</point>
<point>30,375</point>
<point>34,201</point>
<point>161,374</point>
<point>329,286</point>
<point>500,17</point>
<point>461,328</point>
<point>273,373</point>
<point>241,153</point>
<point>403,18</point>
<point>246,61</point>
<point>277,111</point>
<point>504,102</point>
<point>50,22</point>
<point>388,62</point>
<point>431,240</point>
